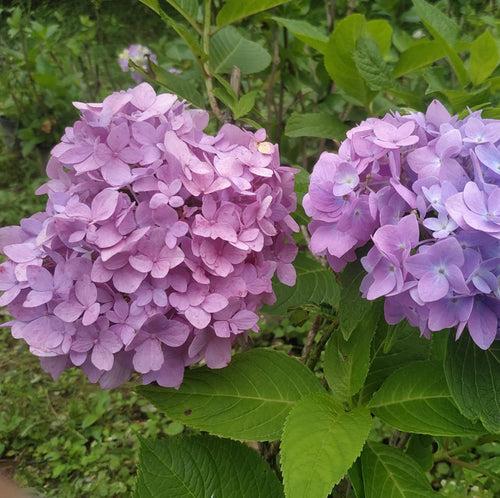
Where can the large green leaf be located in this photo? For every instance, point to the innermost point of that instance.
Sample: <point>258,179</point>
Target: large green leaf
<point>445,31</point>
<point>305,32</point>
<point>346,362</point>
<point>229,49</point>
<point>315,124</point>
<point>371,65</point>
<point>420,55</point>
<point>393,348</point>
<point>247,400</point>
<point>339,60</point>
<point>389,473</point>
<point>203,467</point>
<point>484,57</point>
<point>320,442</point>
<point>473,376</point>
<point>234,10</point>
<point>381,32</point>
<point>416,398</point>
<point>315,285</point>
<point>352,307</point>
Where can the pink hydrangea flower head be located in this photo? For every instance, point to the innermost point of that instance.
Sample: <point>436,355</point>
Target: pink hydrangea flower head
<point>422,193</point>
<point>139,54</point>
<point>157,246</point>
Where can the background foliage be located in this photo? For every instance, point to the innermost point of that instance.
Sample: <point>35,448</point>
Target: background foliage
<point>306,70</point>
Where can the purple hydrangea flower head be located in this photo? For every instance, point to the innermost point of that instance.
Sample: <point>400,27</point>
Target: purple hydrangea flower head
<point>139,54</point>
<point>422,193</point>
<point>157,246</point>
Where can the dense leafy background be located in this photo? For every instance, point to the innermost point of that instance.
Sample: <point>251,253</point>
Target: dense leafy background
<point>307,70</point>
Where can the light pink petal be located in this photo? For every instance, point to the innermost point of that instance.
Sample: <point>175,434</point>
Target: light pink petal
<point>116,172</point>
<point>102,358</point>
<point>20,253</point>
<point>104,204</point>
<point>245,319</point>
<point>91,314</point>
<point>37,298</point>
<point>143,96</point>
<point>148,356</point>
<point>9,296</point>
<point>68,311</point>
<point>175,334</point>
<point>110,341</point>
<point>214,302</point>
<point>118,137</point>
<point>197,317</point>
<point>218,352</point>
<point>141,262</point>
<point>86,291</point>
<point>286,274</point>
<point>127,279</point>
<point>131,155</point>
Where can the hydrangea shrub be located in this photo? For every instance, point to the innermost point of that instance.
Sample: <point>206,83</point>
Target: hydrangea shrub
<point>157,246</point>
<point>422,193</point>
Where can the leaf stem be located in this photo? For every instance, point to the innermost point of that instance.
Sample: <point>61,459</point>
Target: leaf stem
<point>316,350</point>
<point>475,468</point>
<point>459,450</point>
<point>311,336</point>
<point>206,66</point>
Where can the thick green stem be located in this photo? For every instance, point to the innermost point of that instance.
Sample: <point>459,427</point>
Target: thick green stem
<point>475,468</point>
<point>209,85</point>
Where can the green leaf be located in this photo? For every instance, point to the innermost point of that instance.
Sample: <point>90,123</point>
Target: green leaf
<point>484,57</point>
<point>235,10</point>
<point>420,449</point>
<point>305,32</point>
<point>352,307</point>
<point>388,472</point>
<point>416,398</point>
<point>229,49</point>
<point>437,22</point>
<point>180,86</point>
<point>420,55</point>
<point>393,347</point>
<point>187,8</point>
<point>244,105</point>
<point>339,60</point>
<point>473,376</point>
<point>315,285</point>
<point>371,65</point>
<point>247,400</point>
<point>356,479</point>
<point>186,34</point>
<point>320,442</point>
<point>346,362</point>
<point>315,124</point>
<point>203,467</point>
<point>381,32</point>
<point>445,31</point>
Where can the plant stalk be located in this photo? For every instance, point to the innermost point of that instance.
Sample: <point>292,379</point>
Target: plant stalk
<point>209,85</point>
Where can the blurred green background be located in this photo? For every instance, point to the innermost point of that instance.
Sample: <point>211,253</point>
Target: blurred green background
<point>68,438</point>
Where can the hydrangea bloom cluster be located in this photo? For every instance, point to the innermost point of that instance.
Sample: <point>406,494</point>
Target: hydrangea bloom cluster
<point>139,54</point>
<point>423,191</point>
<point>158,242</point>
